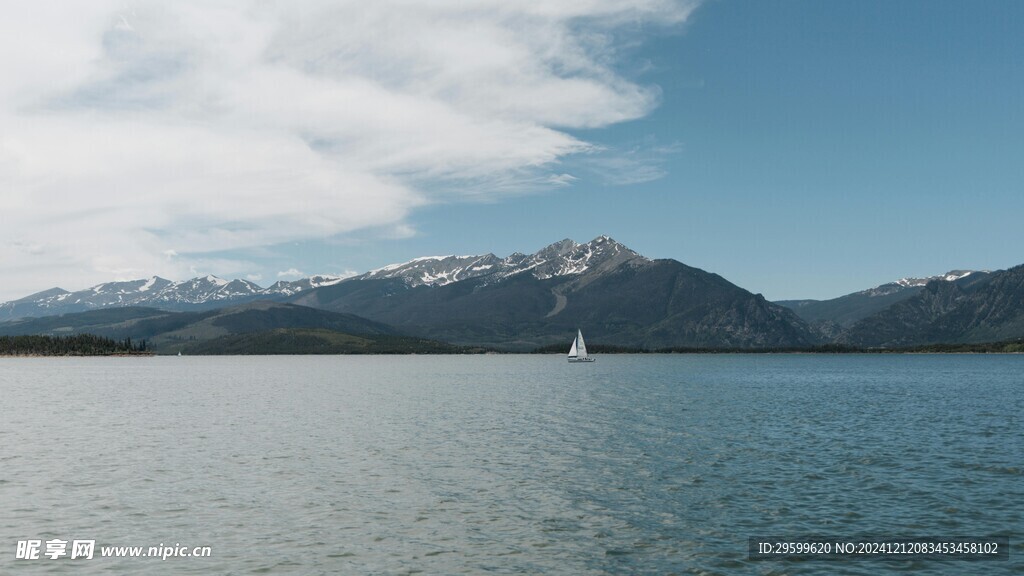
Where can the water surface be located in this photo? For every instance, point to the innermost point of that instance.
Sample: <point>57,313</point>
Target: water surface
<point>649,464</point>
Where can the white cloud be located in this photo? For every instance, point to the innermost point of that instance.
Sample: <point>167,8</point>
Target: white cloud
<point>138,138</point>
<point>635,164</point>
<point>290,273</point>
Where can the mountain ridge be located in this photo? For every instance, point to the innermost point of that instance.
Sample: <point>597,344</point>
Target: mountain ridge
<point>562,258</point>
<point>524,301</point>
<point>169,331</point>
<point>949,312</point>
<point>527,301</point>
<point>835,314</point>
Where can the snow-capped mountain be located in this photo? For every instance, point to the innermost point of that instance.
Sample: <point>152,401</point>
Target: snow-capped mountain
<point>436,270</point>
<point>567,258</point>
<point>201,291</point>
<point>58,300</point>
<point>844,311</point>
<point>524,300</point>
<point>904,283</point>
<point>563,258</point>
<point>284,288</point>
<point>517,302</point>
<point>965,308</point>
<point>204,292</point>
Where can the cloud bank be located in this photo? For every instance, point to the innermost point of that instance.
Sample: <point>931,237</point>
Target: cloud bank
<point>141,138</point>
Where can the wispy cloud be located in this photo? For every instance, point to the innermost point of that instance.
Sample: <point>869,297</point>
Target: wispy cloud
<point>636,164</point>
<point>140,138</point>
<point>290,273</point>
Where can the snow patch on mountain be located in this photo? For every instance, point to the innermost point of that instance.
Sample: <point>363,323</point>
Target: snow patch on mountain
<point>283,288</point>
<point>435,270</point>
<point>905,283</point>
<point>950,276</point>
<point>561,259</point>
<point>320,280</point>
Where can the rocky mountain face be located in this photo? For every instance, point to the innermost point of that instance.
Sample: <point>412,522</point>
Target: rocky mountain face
<point>562,258</point>
<point>616,295</point>
<point>834,315</point>
<point>988,309</point>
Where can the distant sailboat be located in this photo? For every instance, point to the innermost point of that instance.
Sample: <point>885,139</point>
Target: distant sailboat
<point>578,352</point>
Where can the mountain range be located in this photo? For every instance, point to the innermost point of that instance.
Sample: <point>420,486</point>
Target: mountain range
<point>617,295</point>
<point>522,301</point>
<point>258,327</point>
<point>987,309</point>
<point>206,292</point>
<point>831,317</point>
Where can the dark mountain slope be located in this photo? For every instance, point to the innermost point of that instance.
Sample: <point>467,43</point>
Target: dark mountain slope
<point>111,322</point>
<point>466,312</point>
<point>636,302</point>
<point>847,310</point>
<point>665,303</point>
<point>170,331</point>
<point>947,312</point>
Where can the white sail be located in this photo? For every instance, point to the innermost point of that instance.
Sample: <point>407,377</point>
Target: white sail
<point>581,347</point>
<point>578,352</point>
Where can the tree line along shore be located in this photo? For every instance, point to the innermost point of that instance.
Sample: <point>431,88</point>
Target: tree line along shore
<point>71,345</point>
<point>285,342</point>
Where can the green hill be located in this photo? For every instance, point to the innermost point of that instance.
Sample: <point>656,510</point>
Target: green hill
<point>169,332</point>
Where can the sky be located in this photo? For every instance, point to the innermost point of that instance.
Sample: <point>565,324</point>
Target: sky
<point>800,149</point>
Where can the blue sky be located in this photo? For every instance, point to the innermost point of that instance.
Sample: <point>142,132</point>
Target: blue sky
<point>821,148</point>
<point>800,149</point>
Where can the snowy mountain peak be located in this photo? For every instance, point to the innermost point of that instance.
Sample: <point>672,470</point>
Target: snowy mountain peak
<point>600,253</point>
<point>559,248</point>
<point>151,282</point>
<point>126,287</point>
<point>240,287</point>
<point>904,283</point>
<point>52,293</point>
<point>563,258</point>
<point>318,280</point>
<point>950,276</point>
<point>435,270</point>
<point>284,288</point>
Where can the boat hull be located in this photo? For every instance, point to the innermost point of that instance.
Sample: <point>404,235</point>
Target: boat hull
<point>582,359</point>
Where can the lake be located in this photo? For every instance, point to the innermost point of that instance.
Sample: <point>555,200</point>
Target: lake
<point>507,464</point>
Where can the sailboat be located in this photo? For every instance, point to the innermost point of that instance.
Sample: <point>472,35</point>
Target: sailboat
<point>578,352</point>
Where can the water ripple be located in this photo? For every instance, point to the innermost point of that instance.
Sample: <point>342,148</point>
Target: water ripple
<point>507,464</point>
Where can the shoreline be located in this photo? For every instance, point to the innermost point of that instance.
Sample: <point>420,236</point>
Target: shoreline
<point>119,355</point>
<point>694,353</point>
